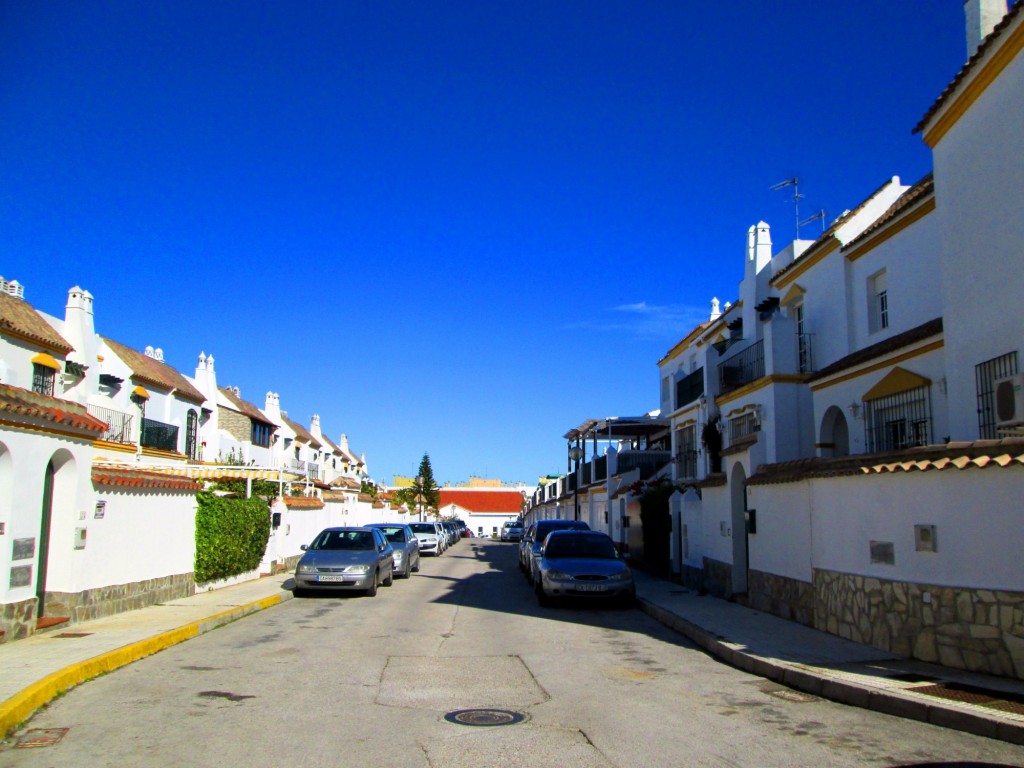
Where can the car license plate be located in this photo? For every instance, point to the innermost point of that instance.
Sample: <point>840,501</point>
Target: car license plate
<point>330,577</point>
<point>590,588</point>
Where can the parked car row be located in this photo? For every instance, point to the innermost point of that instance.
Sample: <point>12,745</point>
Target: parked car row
<point>565,559</point>
<point>360,559</point>
<point>512,530</point>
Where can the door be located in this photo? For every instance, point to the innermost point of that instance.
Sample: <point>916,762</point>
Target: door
<point>44,540</point>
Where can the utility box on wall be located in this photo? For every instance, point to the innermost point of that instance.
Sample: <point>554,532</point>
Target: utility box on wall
<point>80,538</point>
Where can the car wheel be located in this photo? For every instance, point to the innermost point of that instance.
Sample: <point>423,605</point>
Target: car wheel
<point>372,591</point>
<point>391,577</point>
<point>299,592</point>
<point>417,568</point>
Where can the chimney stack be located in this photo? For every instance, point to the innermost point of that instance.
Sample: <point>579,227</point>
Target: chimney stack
<point>982,17</point>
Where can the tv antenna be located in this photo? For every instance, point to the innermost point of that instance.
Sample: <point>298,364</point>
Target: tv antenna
<point>795,184</point>
<point>819,215</point>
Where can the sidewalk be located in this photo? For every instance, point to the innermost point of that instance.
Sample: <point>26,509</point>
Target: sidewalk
<point>35,670</point>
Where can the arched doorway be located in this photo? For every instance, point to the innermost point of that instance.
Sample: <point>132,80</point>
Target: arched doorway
<point>738,497</point>
<point>58,484</point>
<point>835,434</point>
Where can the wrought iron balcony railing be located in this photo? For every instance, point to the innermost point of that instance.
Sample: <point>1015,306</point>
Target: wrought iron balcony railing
<point>156,434</point>
<point>690,388</point>
<point>120,426</point>
<point>741,368</point>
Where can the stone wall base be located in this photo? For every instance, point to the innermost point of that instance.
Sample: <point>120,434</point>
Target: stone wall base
<point>781,596</point>
<point>692,577</point>
<point>718,577</point>
<point>979,630</point>
<point>17,620</point>
<point>103,601</point>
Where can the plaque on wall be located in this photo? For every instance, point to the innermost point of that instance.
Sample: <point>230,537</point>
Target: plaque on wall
<point>24,549</point>
<point>21,576</point>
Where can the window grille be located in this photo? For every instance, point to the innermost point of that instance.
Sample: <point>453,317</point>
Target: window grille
<point>686,458</point>
<point>985,376</point>
<point>898,421</point>
<point>742,426</point>
<point>42,379</point>
<point>156,434</point>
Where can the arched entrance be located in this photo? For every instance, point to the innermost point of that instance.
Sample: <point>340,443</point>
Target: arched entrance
<point>58,484</point>
<point>835,434</point>
<point>738,496</point>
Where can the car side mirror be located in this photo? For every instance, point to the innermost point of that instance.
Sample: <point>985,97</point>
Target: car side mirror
<point>304,547</point>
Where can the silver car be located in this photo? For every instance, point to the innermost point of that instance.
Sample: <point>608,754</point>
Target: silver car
<point>582,564</point>
<point>345,559</point>
<point>431,539</point>
<point>405,545</point>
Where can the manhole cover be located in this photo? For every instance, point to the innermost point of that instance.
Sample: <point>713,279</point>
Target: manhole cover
<point>41,737</point>
<point>485,717</point>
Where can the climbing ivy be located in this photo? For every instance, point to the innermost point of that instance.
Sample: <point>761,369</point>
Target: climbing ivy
<point>231,536</point>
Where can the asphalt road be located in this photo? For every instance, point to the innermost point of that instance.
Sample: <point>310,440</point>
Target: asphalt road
<point>352,681</point>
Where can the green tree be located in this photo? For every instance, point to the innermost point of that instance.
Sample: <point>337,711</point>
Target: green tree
<point>267,490</point>
<point>425,486</point>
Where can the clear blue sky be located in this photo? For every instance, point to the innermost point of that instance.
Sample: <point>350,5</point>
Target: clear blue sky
<point>452,227</point>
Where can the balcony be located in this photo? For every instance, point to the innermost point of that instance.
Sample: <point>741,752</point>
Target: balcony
<point>120,426</point>
<point>741,369</point>
<point>600,468</point>
<point>648,462</point>
<point>690,388</point>
<point>294,466</point>
<point>157,435</point>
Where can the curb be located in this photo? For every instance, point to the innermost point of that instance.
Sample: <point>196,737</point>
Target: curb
<point>21,706</point>
<point>807,679</point>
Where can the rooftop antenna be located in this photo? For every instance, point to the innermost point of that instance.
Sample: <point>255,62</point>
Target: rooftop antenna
<point>795,183</point>
<point>819,215</point>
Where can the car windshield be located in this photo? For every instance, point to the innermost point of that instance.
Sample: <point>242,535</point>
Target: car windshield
<point>344,540</point>
<point>423,527</point>
<point>395,535</point>
<point>592,547</point>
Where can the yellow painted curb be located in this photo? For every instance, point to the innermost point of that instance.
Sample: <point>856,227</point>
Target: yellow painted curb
<point>20,706</point>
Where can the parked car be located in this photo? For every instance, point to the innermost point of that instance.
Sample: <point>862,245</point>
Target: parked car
<point>541,529</point>
<point>583,564</point>
<point>431,539</point>
<point>406,546</point>
<point>512,530</point>
<point>345,559</point>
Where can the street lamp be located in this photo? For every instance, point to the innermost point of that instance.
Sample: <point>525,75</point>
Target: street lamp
<point>575,454</point>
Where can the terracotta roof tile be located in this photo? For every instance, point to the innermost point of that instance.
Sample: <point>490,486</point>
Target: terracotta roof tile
<point>18,318</point>
<point>149,371</point>
<point>140,478</point>
<point>501,501</point>
<point>987,43</point>
<point>245,407</point>
<point>301,433</point>
<point>923,189</point>
<point>335,496</point>
<point>959,455</point>
<point>23,402</point>
<point>303,502</point>
<point>882,348</point>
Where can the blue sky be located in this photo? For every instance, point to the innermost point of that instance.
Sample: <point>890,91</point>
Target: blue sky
<point>459,228</point>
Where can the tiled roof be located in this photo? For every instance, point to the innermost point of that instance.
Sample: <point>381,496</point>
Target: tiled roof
<point>346,482</point>
<point>19,318</point>
<point>987,43</point>
<point>23,402</point>
<point>303,502</point>
<point>139,478</point>
<point>245,407</point>
<point>501,501</point>
<point>962,455</point>
<point>334,496</point>
<point>882,348</point>
<point>915,194</point>
<point>301,433</point>
<point>149,371</point>
<point>334,448</point>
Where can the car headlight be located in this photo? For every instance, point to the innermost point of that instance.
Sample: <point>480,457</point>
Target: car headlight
<point>559,575</point>
<point>357,569</point>
<point>398,556</point>
<point>305,568</point>
<point>621,576</point>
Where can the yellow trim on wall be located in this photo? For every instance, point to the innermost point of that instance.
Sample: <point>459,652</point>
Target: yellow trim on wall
<point>888,232</point>
<point>116,447</point>
<point>779,378</point>
<point>793,294</point>
<point>879,366</point>
<point>803,266</point>
<point>985,76</point>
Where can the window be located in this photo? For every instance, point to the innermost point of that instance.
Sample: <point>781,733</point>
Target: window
<point>878,302</point>
<point>666,391</point>
<point>743,425</point>
<point>260,434</point>
<point>897,421</point>
<point>42,379</point>
<point>985,376</point>
<point>803,341</point>
<point>686,458</point>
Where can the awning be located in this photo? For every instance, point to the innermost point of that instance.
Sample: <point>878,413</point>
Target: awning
<point>215,474</point>
<point>140,391</point>
<point>46,360</point>
<point>896,381</point>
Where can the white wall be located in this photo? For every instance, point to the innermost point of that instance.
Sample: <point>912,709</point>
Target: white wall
<point>782,544</point>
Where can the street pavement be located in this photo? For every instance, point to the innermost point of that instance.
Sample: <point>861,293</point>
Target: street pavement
<point>35,670</point>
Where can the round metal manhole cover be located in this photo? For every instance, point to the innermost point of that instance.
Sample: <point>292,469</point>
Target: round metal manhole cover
<point>485,717</point>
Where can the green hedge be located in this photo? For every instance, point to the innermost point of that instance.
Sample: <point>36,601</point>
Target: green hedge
<point>231,536</point>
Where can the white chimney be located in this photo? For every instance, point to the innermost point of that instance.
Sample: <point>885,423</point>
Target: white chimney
<point>982,17</point>
<point>716,309</point>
